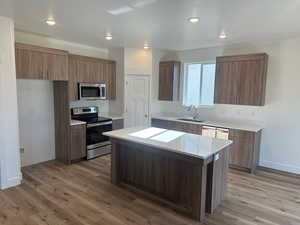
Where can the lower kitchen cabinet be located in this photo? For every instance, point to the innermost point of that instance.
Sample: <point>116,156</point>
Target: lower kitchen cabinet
<point>244,152</point>
<point>117,124</point>
<point>78,142</point>
<point>179,126</point>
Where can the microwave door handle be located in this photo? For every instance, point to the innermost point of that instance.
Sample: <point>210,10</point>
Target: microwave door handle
<point>103,92</point>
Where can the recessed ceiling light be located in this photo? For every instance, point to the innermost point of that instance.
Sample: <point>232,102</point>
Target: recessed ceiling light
<point>222,35</point>
<point>50,22</point>
<point>108,37</point>
<point>194,19</point>
<point>146,46</point>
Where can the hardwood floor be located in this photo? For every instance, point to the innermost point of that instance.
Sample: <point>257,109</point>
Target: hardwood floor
<point>56,194</point>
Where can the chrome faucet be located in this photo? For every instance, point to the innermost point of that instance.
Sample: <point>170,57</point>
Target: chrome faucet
<point>195,111</point>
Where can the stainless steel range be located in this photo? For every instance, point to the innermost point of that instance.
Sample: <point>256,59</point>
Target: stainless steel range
<point>96,143</point>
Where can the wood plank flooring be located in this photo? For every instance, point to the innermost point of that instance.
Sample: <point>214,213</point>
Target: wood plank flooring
<point>56,194</point>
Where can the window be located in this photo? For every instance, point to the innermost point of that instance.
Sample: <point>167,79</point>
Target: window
<point>199,84</point>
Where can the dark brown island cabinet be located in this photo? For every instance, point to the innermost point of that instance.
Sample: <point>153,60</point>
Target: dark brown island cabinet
<point>169,80</point>
<point>244,152</point>
<point>66,71</point>
<point>241,79</point>
<point>169,173</point>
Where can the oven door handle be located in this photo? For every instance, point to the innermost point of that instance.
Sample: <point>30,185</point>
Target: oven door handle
<point>98,124</point>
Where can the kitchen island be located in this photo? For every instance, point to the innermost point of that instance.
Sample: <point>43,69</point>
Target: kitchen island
<point>186,172</point>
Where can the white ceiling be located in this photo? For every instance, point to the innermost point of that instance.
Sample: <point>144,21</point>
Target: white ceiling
<point>161,23</point>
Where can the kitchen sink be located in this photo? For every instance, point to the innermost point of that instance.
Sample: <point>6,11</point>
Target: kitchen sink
<point>191,120</point>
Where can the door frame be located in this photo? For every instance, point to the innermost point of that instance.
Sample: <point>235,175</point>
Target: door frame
<point>149,78</point>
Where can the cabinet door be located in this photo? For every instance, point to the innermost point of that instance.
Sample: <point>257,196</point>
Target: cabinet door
<point>166,81</point>
<point>110,80</point>
<point>192,128</point>
<point>73,78</point>
<point>78,142</point>
<point>36,62</point>
<point>83,71</point>
<point>227,83</point>
<point>57,67</point>
<point>241,151</point>
<point>118,124</point>
<point>252,82</point>
<point>30,64</point>
<point>241,79</point>
<point>22,63</point>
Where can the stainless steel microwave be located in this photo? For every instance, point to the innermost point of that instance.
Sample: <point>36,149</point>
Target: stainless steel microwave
<point>91,91</point>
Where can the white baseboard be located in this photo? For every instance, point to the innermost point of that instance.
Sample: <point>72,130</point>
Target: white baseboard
<point>12,182</point>
<point>280,166</point>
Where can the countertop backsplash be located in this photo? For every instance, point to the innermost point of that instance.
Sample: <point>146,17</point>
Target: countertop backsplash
<point>103,105</point>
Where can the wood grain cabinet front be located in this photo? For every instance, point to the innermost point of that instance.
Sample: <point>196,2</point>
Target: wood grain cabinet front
<point>118,124</point>
<point>245,150</point>
<point>34,62</point>
<point>91,70</point>
<point>179,126</point>
<point>241,79</point>
<point>78,142</point>
<point>169,81</point>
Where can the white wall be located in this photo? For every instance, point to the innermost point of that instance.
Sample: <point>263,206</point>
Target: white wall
<point>36,121</point>
<point>280,116</point>
<point>137,61</point>
<point>10,174</point>
<point>35,102</point>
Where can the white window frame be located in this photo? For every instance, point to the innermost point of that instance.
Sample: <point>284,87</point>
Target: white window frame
<point>185,69</point>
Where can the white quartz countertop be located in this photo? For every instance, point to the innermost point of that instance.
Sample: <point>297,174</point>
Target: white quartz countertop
<point>113,116</point>
<point>170,140</point>
<point>239,125</point>
<point>76,122</point>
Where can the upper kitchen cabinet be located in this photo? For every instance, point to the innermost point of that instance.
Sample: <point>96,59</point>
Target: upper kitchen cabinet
<point>241,79</point>
<point>34,62</point>
<point>91,70</point>
<point>169,81</point>
<point>110,79</point>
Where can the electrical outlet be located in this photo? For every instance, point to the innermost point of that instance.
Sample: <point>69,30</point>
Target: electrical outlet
<point>22,150</point>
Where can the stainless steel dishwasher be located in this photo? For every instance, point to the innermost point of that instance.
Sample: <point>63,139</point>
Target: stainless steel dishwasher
<point>215,132</point>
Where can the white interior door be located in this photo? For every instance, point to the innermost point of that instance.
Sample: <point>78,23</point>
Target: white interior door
<point>137,100</point>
